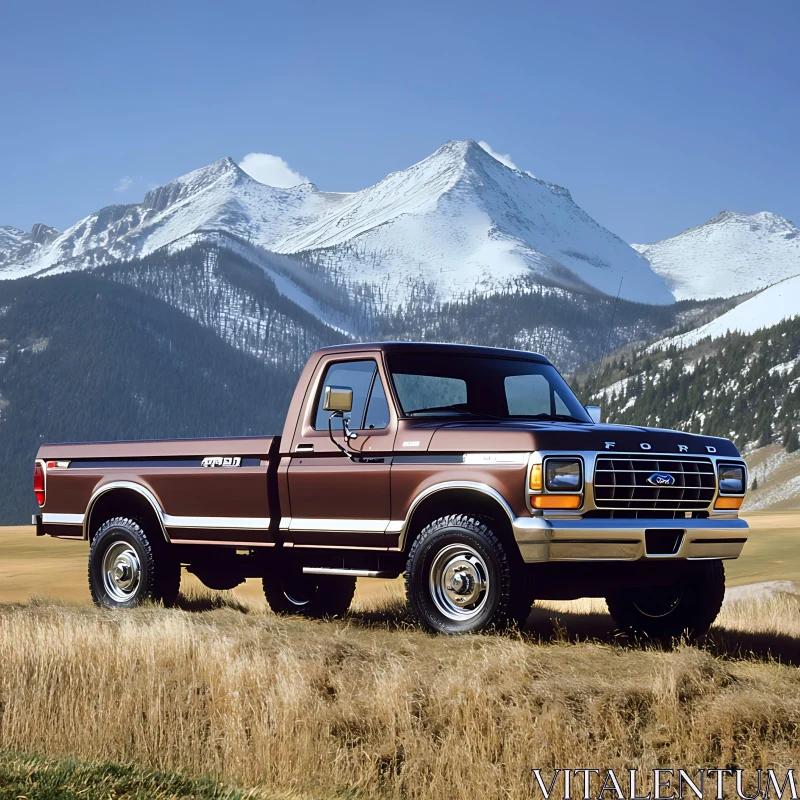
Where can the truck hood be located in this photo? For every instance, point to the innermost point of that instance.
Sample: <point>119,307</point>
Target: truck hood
<point>520,436</point>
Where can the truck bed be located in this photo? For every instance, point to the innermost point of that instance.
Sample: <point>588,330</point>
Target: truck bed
<point>202,490</point>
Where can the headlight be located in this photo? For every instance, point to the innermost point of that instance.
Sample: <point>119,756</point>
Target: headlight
<point>731,479</point>
<point>562,475</point>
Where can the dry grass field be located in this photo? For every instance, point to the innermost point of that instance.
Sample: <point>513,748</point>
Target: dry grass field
<point>370,706</point>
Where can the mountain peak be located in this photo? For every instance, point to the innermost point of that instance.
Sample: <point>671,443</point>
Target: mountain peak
<point>224,166</point>
<point>760,217</point>
<point>224,172</point>
<point>467,151</point>
<point>221,167</point>
<point>731,254</point>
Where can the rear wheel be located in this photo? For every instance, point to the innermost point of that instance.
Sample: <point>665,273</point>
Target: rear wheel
<point>289,591</point>
<point>686,607</point>
<point>128,566</point>
<point>460,579</point>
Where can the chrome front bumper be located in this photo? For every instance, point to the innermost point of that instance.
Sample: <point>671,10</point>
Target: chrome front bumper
<point>542,539</point>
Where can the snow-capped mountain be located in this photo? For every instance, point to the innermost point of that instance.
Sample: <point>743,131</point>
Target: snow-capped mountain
<point>456,221</point>
<point>219,197</point>
<point>729,255</point>
<point>460,220</point>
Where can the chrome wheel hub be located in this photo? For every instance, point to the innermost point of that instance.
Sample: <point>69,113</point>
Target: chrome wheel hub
<point>459,582</point>
<point>121,572</point>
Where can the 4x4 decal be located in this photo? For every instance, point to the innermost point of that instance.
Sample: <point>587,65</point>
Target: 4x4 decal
<point>220,461</point>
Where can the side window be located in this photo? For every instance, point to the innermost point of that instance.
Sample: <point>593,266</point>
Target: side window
<point>378,409</point>
<point>358,376</point>
<point>370,407</point>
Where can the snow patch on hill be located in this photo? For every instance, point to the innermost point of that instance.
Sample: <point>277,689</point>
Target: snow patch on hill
<point>764,310</point>
<point>778,476</point>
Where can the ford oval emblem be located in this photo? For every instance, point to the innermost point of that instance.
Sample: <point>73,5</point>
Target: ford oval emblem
<point>661,479</point>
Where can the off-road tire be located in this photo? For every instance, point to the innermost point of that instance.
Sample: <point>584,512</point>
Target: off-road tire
<point>291,593</point>
<point>700,592</point>
<point>159,572</point>
<point>508,595</point>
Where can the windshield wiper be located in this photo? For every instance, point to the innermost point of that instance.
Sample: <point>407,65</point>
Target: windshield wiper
<point>457,409</point>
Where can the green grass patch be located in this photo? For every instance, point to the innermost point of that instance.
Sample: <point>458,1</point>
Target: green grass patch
<point>29,777</point>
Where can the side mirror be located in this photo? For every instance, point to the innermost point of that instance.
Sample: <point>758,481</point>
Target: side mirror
<point>594,413</point>
<point>338,398</point>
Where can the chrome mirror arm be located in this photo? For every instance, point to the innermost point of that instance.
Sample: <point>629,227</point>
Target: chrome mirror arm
<point>348,434</point>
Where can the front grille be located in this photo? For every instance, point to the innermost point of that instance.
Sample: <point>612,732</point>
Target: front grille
<point>621,483</point>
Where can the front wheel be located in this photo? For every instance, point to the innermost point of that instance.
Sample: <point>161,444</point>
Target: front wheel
<point>460,579</point>
<point>686,607</point>
<point>128,566</point>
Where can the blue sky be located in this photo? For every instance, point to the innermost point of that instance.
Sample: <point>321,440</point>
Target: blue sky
<point>656,116</point>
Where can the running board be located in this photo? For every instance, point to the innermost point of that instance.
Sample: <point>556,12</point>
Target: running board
<point>353,573</point>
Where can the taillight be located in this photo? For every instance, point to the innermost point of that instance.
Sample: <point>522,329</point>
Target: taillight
<point>38,482</point>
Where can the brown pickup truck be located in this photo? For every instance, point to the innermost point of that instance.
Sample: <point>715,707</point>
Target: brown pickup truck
<point>474,471</point>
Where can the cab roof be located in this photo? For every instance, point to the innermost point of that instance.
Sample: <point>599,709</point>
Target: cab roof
<point>434,348</point>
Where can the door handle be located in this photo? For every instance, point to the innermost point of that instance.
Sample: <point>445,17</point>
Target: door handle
<point>304,448</point>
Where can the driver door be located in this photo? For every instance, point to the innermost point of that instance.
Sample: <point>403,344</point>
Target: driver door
<point>337,501</point>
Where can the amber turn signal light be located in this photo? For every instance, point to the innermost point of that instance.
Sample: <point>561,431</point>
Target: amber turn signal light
<point>730,503</point>
<point>536,478</point>
<point>556,501</point>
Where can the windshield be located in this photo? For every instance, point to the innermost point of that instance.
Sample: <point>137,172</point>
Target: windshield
<point>493,388</point>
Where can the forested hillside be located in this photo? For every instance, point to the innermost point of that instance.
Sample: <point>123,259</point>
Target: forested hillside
<point>84,358</point>
<point>572,328</point>
<point>745,387</point>
<point>239,300</point>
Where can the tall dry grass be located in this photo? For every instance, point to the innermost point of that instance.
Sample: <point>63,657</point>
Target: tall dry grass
<point>378,708</point>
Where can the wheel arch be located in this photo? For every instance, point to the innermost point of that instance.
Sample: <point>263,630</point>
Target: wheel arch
<point>458,497</point>
<point>126,499</point>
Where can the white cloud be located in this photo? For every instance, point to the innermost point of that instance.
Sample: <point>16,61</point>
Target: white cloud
<point>503,158</point>
<point>124,184</point>
<point>272,170</point>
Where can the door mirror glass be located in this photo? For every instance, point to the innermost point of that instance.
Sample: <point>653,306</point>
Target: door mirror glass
<point>594,413</point>
<point>338,398</point>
